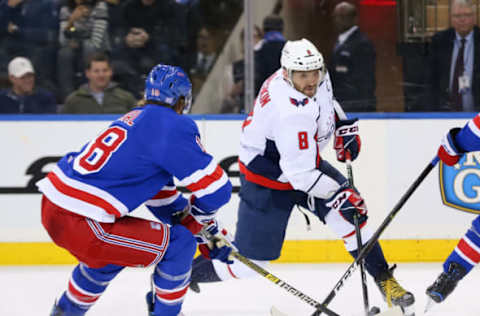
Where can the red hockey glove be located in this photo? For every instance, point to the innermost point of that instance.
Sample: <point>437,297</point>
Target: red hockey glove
<point>347,139</point>
<point>348,202</point>
<point>449,151</point>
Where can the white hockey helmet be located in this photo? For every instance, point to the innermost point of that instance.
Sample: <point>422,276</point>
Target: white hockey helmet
<point>301,55</point>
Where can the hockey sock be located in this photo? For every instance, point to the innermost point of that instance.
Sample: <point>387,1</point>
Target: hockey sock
<point>467,252</point>
<point>85,286</point>
<point>170,290</point>
<point>203,271</point>
<point>375,262</point>
<point>172,275</point>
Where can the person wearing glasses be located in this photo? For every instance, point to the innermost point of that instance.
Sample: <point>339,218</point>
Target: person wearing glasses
<point>454,63</point>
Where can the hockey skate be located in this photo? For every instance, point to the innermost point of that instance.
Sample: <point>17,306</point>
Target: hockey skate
<point>445,284</point>
<point>150,305</point>
<point>394,294</point>
<point>56,311</point>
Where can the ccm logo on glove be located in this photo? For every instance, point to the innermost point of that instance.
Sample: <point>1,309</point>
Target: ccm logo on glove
<point>347,139</point>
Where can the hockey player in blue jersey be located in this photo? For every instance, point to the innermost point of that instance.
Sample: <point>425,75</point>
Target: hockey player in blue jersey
<point>294,117</point>
<point>466,254</point>
<point>89,194</point>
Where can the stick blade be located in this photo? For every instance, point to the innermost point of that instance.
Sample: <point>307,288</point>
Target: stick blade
<point>396,311</point>
<point>276,312</point>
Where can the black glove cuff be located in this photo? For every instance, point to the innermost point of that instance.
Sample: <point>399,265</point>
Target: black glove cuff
<point>341,123</point>
<point>453,134</point>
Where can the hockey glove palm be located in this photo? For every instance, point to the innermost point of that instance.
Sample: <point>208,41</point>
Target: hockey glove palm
<point>347,139</point>
<point>449,151</point>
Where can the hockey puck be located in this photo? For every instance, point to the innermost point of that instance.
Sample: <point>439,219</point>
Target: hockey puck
<point>374,311</point>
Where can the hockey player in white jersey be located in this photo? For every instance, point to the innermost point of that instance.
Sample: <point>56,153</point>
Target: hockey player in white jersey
<point>89,194</point>
<point>294,117</point>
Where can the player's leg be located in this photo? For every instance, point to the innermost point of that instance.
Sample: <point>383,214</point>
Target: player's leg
<point>171,276</point>
<point>338,213</point>
<point>458,264</point>
<point>84,288</point>
<point>262,219</point>
<point>103,249</point>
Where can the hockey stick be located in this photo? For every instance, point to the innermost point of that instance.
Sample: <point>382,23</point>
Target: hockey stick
<point>359,240</point>
<point>269,276</point>
<point>378,232</point>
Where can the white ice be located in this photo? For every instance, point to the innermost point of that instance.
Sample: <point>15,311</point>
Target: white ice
<point>31,290</point>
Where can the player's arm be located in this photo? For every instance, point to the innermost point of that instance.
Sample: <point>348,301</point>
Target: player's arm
<point>197,171</point>
<point>299,156</point>
<point>459,141</point>
<point>167,203</point>
<point>347,138</point>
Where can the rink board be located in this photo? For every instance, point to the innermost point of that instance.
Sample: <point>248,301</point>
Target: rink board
<point>395,149</point>
<point>294,251</point>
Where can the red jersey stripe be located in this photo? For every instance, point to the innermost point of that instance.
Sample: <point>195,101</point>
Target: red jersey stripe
<point>82,195</point>
<point>476,121</point>
<point>206,181</point>
<point>165,194</point>
<point>263,181</point>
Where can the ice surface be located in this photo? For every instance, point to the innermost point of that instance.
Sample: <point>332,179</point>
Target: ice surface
<point>31,290</point>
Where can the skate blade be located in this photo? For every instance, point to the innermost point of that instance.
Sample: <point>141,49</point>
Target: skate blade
<point>396,311</point>
<point>430,304</point>
<point>276,312</point>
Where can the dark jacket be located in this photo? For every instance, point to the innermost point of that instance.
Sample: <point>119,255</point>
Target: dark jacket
<point>41,101</point>
<point>438,71</point>
<point>352,70</point>
<point>115,100</point>
<point>267,57</point>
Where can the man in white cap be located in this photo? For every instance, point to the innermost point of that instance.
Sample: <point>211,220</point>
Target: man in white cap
<point>23,97</point>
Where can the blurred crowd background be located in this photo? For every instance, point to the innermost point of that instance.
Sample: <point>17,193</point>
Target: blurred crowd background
<point>92,56</point>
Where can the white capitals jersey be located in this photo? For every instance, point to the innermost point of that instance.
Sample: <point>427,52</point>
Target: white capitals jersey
<point>283,136</point>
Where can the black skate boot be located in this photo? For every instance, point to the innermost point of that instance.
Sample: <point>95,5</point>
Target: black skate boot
<point>56,311</point>
<point>446,282</point>
<point>394,294</point>
<point>151,304</point>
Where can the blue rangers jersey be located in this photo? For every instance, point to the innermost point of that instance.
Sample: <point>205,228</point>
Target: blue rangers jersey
<point>135,161</point>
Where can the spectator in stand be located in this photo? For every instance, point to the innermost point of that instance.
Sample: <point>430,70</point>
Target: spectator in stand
<point>352,65</point>
<point>185,22</point>
<point>139,48</point>
<point>116,22</point>
<point>100,94</point>
<point>234,101</point>
<point>203,60</point>
<point>267,56</point>
<point>23,97</point>
<point>83,31</point>
<point>221,15</point>
<point>453,76</point>
<point>29,28</point>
